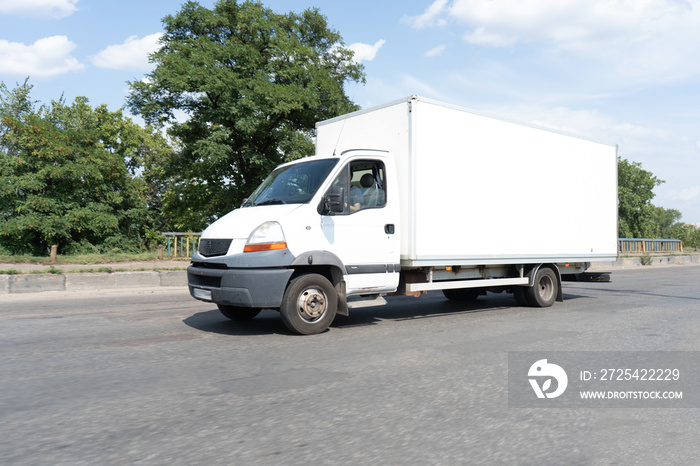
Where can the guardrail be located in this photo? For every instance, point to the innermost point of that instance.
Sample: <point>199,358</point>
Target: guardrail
<point>180,242</point>
<point>642,245</point>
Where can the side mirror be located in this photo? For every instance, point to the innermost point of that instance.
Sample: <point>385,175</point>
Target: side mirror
<point>333,201</point>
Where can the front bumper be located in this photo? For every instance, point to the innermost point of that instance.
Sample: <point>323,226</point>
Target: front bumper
<point>243,287</point>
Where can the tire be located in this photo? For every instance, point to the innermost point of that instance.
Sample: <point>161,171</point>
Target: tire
<point>239,314</point>
<point>465,295</point>
<point>544,291</point>
<point>309,304</point>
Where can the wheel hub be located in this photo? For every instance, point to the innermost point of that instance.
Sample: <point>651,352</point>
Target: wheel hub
<point>546,288</point>
<point>312,304</point>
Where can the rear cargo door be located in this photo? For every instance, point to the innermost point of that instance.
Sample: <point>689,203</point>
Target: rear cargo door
<point>364,236</point>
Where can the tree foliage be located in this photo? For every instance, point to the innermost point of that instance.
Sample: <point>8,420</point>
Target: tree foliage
<point>639,218</point>
<point>635,192</point>
<point>67,176</point>
<point>250,84</point>
<point>240,89</point>
<point>687,233</point>
<point>663,220</point>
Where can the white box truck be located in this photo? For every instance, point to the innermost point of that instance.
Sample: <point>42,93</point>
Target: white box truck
<point>412,196</point>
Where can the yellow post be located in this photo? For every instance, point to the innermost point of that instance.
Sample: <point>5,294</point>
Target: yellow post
<point>188,246</point>
<point>175,254</point>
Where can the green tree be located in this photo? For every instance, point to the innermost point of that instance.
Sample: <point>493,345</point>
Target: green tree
<point>251,84</point>
<point>664,220</point>
<point>16,102</point>
<point>65,176</point>
<point>635,192</point>
<point>687,233</point>
<point>639,218</point>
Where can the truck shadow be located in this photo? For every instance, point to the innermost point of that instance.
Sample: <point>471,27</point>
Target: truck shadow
<point>636,293</point>
<point>434,305</point>
<point>402,308</point>
<point>268,322</point>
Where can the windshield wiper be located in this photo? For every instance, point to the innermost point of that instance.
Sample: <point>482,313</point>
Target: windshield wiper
<point>271,202</point>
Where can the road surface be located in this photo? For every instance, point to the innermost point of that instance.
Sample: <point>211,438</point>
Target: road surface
<point>155,377</point>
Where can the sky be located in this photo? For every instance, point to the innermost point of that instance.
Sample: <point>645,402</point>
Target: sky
<point>623,72</point>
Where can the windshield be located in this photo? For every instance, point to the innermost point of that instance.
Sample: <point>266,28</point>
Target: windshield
<point>292,184</point>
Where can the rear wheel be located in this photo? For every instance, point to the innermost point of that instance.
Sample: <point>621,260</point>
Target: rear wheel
<point>309,304</point>
<point>544,291</point>
<point>465,295</point>
<point>237,313</point>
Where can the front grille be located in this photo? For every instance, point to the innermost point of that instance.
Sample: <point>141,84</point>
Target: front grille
<point>203,280</point>
<point>209,265</point>
<point>214,247</point>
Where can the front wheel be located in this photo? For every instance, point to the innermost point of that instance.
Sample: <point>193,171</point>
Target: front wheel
<point>544,291</point>
<point>309,304</point>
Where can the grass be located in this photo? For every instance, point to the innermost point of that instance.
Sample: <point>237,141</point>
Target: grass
<point>646,259</point>
<point>99,261</point>
<point>56,271</point>
<point>85,259</point>
<point>52,270</point>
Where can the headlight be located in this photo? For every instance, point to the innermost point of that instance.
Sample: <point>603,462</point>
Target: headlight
<point>266,237</point>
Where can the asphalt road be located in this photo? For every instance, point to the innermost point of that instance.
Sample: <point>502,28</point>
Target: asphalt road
<point>154,377</point>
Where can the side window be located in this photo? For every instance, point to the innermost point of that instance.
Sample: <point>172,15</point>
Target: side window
<point>365,185</point>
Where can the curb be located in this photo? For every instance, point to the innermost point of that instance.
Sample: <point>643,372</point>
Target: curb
<point>35,283</point>
<point>651,261</point>
<point>14,284</point>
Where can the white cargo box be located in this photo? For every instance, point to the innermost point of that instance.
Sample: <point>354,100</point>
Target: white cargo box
<point>478,190</point>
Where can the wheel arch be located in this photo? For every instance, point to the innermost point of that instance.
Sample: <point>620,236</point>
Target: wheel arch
<point>531,273</point>
<point>327,264</point>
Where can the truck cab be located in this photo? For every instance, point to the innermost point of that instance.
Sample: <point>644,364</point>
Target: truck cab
<point>315,232</point>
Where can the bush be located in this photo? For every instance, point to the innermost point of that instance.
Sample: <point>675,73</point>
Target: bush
<point>72,176</point>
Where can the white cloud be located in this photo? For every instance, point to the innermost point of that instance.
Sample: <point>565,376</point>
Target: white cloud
<point>131,55</point>
<point>632,138</point>
<point>366,52</point>
<point>586,123</point>
<point>46,57</point>
<point>689,194</point>
<point>435,51</point>
<point>412,85</point>
<point>50,8</point>
<point>572,24</point>
<point>398,87</point>
<point>431,16</point>
<point>646,40</point>
<point>482,36</point>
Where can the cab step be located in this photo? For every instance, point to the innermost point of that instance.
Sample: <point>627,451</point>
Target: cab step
<point>357,302</point>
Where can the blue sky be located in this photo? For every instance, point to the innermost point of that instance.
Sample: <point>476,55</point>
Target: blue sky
<point>623,72</point>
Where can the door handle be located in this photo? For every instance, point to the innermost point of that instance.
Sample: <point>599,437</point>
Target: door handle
<point>389,229</point>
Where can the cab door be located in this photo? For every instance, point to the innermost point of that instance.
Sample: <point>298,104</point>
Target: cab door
<point>365,234</point>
